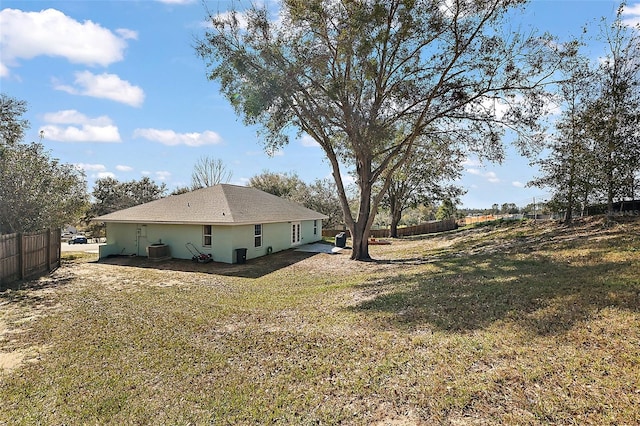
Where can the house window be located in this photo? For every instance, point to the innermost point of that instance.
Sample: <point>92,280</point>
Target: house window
<point>257,236</point>
<point>315,227</point>
<point>206,235</point>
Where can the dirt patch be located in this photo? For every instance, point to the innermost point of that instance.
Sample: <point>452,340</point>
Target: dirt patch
<point>20,308</point>
<point>11,360</point>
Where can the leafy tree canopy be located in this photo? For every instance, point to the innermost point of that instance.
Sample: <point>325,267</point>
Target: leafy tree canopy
<point>36,191</point>
<point>285,185</point>
<point>320,196</point>
<point>111,195</point>
<point>368,79</point>
<point>424,182</point>
<point>12,126</point>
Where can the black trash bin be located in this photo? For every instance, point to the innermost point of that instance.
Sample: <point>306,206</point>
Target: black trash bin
<point>241,255</point>
<point>341,240</point>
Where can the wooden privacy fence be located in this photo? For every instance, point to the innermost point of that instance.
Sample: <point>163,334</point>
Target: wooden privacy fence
<point>28,255</point>
<point>423,228</point>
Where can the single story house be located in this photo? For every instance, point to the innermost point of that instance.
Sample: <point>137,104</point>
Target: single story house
<point>222,221</point>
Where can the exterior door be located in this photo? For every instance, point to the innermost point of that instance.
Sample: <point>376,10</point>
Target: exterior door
<point>295,233</point>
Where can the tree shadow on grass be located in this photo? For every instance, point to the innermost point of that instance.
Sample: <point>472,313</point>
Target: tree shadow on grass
<point>253,268</point>
<point>33,292</point>
<point>468,294</point>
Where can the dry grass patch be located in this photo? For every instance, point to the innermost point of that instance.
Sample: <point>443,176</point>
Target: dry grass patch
<point>505,324</point>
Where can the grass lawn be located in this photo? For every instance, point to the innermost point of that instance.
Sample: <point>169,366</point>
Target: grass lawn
<point>521,324</point>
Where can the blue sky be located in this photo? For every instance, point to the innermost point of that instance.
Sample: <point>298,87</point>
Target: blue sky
<point>118,91</point>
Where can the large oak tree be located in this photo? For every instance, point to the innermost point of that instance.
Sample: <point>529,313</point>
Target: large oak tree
<point>368,79</point>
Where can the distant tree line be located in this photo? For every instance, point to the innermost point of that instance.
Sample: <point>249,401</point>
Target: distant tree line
<point>321,195</point>
<point>595,147</point>
<point>110,195</point>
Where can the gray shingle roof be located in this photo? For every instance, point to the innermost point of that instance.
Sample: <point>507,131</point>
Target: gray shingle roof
<point>217,205</point>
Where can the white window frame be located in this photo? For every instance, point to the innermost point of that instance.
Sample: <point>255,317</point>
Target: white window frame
<point>206,235</point>
<point>315,227</point>
<point>257,235</point>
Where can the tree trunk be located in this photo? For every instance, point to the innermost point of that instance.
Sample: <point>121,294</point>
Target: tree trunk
<point>395,220</point>
<point>360,239</point>
<point>569,215</point>
<point>360,228</point>
<point>610,191</point>
<point>367,206</point>
<point>572,176</point>
<point>393,229</point>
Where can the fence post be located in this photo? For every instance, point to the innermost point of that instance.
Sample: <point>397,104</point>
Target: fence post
<point>21,256</point>
<point>47,244</point>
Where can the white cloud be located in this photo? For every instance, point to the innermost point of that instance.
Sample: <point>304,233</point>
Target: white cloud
<point>171,138</point>
<point>499,107</point>
<point>127,34</point>
<point>518,184</point>
<point>308,141</point>
<point>85,133</point>
<point>495,106</point>
<point>4,71</point>
<point>71,116</point>
<point>633,12</point>
<point>26,35</point>
<point>163,175</point>
<point>91,167</point>
<point>105,86</point>
<point>242,181</point>
<point>492,177</point>
<point>122,168</point>
<point>471,162</point>
<point>489,176</point>
<point>73,126</point>
<point>95,171</point>
<point>347,180</point>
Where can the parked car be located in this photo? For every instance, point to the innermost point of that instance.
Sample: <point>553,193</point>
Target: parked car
<point>78,239</point>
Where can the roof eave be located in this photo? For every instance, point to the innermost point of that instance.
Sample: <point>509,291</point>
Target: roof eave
<point>190,222</point>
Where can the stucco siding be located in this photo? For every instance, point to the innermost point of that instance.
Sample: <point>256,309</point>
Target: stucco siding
<point>222,243</point>
<point>122,236</point>
<point>176,237</point>
<point>276,236</point>
<point>307,231</point>
<point>133,239</point>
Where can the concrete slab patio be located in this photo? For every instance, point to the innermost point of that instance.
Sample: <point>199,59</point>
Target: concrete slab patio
<point>319,248</point>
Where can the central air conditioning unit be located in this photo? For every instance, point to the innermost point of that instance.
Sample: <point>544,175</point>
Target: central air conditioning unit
<point>158,252</point>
